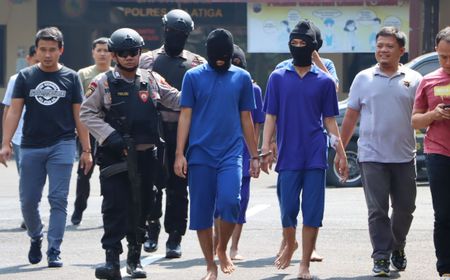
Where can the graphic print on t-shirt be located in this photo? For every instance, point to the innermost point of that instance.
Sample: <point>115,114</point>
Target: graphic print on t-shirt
<point>442,91</point>
<point>47,93</point>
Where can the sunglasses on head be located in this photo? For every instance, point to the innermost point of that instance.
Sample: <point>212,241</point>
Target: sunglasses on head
<point>126,53</point>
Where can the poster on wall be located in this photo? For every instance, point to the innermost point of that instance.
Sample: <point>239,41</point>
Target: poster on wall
<point>344,29</point>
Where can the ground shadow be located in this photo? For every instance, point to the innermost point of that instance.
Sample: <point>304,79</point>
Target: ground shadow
<point>77,228</point>
<point>171,264</point>
<point>16,229</point>
<point>279,276</point>
<point>21,268</point>
<point>263,262</point>
<point>393,275</point>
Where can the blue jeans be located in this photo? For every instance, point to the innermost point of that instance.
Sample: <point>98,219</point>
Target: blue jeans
<point>35,165</point>
<point>438,168</point>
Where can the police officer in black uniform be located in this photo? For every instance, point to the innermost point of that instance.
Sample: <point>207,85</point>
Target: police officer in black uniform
<point>171,61</point>
<point>121,113</point>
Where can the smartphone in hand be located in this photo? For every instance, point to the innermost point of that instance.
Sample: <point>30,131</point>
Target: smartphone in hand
<point>446,106</point>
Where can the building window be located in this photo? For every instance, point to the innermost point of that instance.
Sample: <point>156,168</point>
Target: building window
<point>2,55</point>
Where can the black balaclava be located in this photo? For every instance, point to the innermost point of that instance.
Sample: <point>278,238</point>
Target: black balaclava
<point>219,46</point>
<point>174,41</point>
<point>238,58</point>
<point>318,35</point>
<point>302,56</point>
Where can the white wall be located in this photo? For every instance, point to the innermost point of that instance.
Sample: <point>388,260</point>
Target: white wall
<point>20,18</point>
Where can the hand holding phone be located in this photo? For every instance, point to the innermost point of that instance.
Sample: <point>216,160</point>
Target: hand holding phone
<point>446,106</point>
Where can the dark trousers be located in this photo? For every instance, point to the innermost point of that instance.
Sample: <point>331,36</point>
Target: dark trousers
<point>83,185</point>
<point>438,167</point>
<point>382,181</point>
<point>176,189</point>
<point>117,210</point>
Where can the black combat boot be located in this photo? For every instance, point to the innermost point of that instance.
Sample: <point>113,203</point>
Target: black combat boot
<point>134,267</point>
<point>173,246</point>
<point>153,229</point>
<point>111,269</point>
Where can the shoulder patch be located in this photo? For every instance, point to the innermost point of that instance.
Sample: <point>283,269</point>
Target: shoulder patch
<point>91,88</point>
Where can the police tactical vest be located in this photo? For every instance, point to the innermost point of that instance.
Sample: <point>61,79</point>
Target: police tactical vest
<point>172,68</point>
<point>133,110</point>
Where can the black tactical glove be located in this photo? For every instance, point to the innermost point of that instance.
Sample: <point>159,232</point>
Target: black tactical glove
<point>115,142</point>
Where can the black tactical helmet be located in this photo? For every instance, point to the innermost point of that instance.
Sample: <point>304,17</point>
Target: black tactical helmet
<point>125,39</point>
<point>178,20</point>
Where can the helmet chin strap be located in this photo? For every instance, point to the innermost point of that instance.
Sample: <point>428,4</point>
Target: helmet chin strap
<point>132,69</point>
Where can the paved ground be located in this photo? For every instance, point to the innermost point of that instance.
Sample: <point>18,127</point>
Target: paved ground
<point>343,240</point>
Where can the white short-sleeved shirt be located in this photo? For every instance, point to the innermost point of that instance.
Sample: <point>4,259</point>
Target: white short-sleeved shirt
<point>385,105</point>
<point>17,138</point>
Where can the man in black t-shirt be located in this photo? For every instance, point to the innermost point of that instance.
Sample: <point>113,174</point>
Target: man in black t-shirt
<point>52,95</point>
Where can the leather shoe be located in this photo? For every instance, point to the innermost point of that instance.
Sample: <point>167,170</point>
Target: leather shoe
<point>153,230</point>
<point>35,254</point>
<point>111,269</point>
<point>135,270</point>
<point>150,246</point>
<point>134,267</point>
<point>173,247</point>
<point>76,217</point>
<point>173,251</point>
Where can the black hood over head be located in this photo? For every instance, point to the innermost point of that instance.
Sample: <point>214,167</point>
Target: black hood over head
<point>238,58</point>
<point>174,41</point>
<point>302,56</point>
<point>219,46</point>
<point>318,35</point>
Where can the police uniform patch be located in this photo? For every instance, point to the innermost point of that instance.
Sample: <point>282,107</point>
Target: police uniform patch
<point>91,89</point>
<point>143,95</point>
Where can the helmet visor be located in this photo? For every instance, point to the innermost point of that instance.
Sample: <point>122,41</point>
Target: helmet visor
<point>126,53</point>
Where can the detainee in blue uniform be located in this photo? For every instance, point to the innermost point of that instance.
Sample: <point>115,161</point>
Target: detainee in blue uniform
<point>326,65</point>
<point>238,59</point>
<point>299,99</point>
<point>216,104</point>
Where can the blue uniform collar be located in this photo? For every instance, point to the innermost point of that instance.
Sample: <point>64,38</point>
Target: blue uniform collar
<point>314,69</point>
<point>209,68</point>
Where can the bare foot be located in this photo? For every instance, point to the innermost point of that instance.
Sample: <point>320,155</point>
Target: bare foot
<point>226,265</point>
<point>211,273</point>
<point>303,272</point>
<point>316,257</point>
<point>284,260</point>
<point>234,255</point>
<point>283,244</point>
